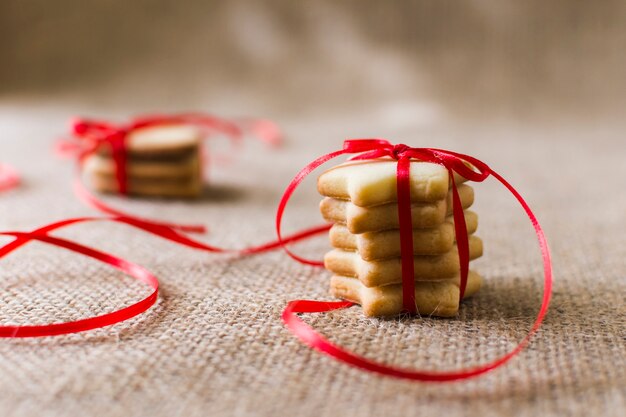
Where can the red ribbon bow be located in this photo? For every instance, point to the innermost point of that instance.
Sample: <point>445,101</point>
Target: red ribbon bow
<point>454,163</point>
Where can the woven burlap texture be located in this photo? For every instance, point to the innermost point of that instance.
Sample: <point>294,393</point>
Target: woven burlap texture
<point>215,345</point>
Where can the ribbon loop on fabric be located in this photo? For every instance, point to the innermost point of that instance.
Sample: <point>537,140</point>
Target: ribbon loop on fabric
<point>54,329</point>
<point>466,166</point>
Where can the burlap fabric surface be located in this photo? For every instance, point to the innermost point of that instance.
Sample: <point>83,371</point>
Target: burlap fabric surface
<point>214,344</point>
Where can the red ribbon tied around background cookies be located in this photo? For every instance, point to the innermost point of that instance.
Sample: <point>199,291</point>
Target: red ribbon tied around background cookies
<point>464,165</point>
<point>91,135</point>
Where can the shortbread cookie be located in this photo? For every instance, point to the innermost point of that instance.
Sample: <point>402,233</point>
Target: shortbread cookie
<point>439,298</point>
<point>385,216</point>
<point>179,188</point>
<point>372,182</point>
<point>389,271</point>
<point>182,167</point>
<point>163,140</point>
<point>386,244</point>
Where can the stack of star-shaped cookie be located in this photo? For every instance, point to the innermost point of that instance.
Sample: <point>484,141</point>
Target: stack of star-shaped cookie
<point>162,161</point>
<point>361,201</point>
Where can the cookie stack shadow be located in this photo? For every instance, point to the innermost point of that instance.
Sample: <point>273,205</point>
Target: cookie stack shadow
<point>366,257</point>
<point>162,161</point>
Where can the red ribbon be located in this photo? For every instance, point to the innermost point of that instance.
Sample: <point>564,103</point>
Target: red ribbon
<point>454,163</point>
<point>134,270</point>
<point>9,178</point>
<point>165,232</point>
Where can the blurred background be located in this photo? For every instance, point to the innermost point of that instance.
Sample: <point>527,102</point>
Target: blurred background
<point>399,61</point>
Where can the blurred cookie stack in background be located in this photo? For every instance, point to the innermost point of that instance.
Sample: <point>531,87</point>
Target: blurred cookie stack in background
<point>162,161</point>
<point>361,201</point>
